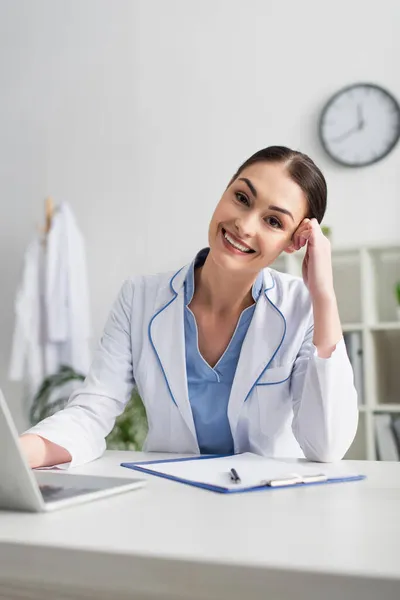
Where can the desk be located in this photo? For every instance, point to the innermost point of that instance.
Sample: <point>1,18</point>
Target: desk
<point>169,541</point>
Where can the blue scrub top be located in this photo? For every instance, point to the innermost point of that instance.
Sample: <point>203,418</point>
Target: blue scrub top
<point>209,388</point>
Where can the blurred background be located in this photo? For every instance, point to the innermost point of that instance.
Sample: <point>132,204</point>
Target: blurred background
<point>137,113</point>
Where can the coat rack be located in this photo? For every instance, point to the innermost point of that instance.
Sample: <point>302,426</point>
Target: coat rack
<point>49,213</point>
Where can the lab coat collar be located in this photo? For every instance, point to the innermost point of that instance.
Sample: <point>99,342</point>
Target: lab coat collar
<point>263,340</point>
<point>167,336</point>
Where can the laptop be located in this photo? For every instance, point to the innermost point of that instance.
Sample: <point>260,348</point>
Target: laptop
<point>23,489</point>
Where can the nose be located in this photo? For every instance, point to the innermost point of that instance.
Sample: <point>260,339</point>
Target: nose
<point>246,226</point>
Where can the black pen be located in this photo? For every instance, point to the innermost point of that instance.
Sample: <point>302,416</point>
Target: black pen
<point>234,476</point>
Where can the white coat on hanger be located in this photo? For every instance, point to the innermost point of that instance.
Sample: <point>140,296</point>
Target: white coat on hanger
<point>52,326</point>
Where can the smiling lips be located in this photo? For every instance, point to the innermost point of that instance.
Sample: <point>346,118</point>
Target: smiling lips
<point>235,243</point>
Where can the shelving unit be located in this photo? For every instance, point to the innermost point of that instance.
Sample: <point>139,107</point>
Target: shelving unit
<point>364,281</point>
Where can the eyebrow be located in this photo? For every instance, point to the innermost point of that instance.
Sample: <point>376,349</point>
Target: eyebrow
<point>251,186</point>
<point>282,210</point>
<point>272,206</point>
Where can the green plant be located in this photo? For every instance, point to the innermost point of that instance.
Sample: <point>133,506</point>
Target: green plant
<point>397,292</point>
<point>49,398</point>
<point>327,231</point>
<point>130,427</point>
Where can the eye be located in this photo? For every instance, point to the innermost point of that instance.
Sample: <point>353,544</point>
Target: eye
<point>274,222</point>
<point>242,198</point>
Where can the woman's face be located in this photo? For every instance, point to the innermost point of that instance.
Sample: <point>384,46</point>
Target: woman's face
<point>256,217</point>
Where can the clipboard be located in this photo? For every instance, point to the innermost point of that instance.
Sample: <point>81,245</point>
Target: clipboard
<point>213,472</point>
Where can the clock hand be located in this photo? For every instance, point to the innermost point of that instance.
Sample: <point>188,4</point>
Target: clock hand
<point>361,121</point>
<point>346,134</point>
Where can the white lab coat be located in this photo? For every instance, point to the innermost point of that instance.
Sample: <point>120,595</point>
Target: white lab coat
<point>52,323</point>
<point>285,400</point>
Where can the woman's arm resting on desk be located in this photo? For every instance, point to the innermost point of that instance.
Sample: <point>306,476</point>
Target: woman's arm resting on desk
<point>40,452</point>
<point>324,402</point>
<point>77,433</point>
<point>324,397</point>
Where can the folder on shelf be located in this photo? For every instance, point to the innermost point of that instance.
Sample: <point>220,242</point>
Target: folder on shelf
<point>385,438</point>
<point>353,341</point>
<point>396,431</point>
<point>242,472</point>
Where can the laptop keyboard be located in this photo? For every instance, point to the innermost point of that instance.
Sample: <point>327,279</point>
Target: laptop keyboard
<point>52,493</point>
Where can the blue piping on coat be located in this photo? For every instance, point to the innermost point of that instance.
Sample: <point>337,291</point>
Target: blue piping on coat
<point>151,339</point>
<point>262,372</point>
<point>274,382</point>
<point>274,354</point>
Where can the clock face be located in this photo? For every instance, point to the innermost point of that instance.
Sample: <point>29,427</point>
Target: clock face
<point>360,125</point>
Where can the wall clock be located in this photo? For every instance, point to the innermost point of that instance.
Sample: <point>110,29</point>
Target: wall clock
<point>360,125</point>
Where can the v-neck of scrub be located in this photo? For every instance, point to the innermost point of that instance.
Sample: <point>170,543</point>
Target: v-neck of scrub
<point>237,338</point>
<point>232,351</point>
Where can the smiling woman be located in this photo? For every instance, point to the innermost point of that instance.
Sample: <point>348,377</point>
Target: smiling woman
<point>227,354</point>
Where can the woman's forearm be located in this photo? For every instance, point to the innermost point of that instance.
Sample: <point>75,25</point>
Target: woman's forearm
<point>40,452</point>
<point>327,326</point>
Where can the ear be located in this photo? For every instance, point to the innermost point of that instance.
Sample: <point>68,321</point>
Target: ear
<point>290,249</point>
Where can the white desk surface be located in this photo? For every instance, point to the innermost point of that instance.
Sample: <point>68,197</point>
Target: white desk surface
<point>173,541</point>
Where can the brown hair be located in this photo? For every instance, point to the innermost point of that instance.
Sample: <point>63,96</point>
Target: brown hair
<point>301,169</point>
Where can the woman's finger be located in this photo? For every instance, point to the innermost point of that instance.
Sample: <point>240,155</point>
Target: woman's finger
<point>301,238</point>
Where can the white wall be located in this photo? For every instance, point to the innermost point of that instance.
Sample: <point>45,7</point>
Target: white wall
<point>138,112</point>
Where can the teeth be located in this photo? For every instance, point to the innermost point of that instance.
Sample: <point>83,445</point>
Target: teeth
<point>236,244</point>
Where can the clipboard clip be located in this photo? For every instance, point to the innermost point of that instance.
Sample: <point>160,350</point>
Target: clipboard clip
<point>294,479</point>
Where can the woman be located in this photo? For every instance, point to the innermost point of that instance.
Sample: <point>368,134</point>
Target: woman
<point>227,354</point>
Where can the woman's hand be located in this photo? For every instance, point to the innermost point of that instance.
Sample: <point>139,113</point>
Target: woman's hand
<point>40,452</point>
<point>318,277</point>
<point>317,263</point>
